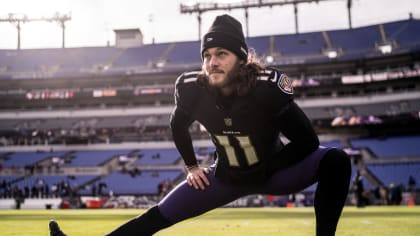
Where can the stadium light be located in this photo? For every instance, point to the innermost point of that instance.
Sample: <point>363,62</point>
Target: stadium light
<point>385,48</point>
<point>331,53</point>
<point>269,59</point>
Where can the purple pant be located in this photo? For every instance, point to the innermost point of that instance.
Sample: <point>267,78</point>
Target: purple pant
<point>184,201</point>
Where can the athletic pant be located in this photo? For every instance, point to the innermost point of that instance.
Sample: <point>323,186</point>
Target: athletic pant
<point>185,202</point>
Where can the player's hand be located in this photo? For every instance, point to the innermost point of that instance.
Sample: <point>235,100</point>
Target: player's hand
<point>196,177</point>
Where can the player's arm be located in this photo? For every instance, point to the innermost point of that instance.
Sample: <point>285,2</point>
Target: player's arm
<point>180,123</point>
<point>290,120</point>
<point>185,95</point>
<point>180,120</point>
<point>297,128</point>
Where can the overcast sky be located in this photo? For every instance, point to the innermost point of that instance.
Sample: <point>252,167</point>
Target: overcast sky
<point>93,21</point>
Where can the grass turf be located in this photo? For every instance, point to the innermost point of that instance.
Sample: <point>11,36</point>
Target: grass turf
<point>384,221</point>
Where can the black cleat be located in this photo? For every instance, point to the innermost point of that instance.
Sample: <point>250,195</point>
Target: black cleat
<point>55,229</point>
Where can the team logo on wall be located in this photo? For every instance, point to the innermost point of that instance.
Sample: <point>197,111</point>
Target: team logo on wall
<point>285,84</point>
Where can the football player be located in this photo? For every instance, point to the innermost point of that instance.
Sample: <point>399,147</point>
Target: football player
<point>244,107</point>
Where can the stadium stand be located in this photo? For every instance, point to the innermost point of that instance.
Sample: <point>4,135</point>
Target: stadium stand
<point>51,184</point>
<point>401,32</point>
<point>304,44</point>
<point>367,37</point>
<point>397,173</point>
<point>92,158</point>
<point>23,159</point>
<point>141,56</point>
<point>158,156</point>
<point>100,115</point>
<point>262,45</point>
<point>390,147</point>
<point>334,143</point>
<point>184,53</point>
<point>145,183</point>
<point>53,63</point>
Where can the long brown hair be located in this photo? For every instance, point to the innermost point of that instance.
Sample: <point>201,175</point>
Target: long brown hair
<point>244,78</point>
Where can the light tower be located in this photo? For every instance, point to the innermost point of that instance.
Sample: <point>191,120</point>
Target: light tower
<point>200,8</point>
<point>17,19</point>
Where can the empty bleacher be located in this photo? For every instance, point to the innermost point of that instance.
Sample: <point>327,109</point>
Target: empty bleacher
<point>345,39</point>
<point>260,44</point>
<point>71,62</point>
<point>24,159</point>
<point>140,56</point>
<point>8,179</point>
<point>395,173</point>
<point>145,183</point>
<point>333,143</point>
<point>401,32</point>
<point>390,147</point>
<point>77,58</point>
<point>92,158</point>
<point>57,61</point>
<point>184,53</point>
<point>158,157</point>
<point>299,44</point>
<point>50,180</point>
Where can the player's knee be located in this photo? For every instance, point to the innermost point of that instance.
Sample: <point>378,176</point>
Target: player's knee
<point>336,161</point>
<point>156,219</point>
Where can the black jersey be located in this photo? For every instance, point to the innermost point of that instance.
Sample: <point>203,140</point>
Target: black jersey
<point>244,129</point>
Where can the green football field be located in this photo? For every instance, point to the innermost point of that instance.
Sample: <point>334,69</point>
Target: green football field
<point>383,221</point>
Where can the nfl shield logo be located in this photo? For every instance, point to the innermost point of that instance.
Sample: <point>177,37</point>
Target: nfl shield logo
<point>228,121</point>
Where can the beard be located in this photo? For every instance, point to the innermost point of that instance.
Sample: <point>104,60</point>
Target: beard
<point>231,78</point>
<point>241,79</point>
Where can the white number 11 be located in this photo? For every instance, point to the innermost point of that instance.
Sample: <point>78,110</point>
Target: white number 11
<point>246,145</point>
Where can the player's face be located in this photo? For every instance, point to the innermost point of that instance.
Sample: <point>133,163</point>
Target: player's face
<point>218,65</point>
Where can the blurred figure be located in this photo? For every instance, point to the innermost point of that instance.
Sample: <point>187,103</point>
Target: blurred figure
<point>396,194</point>
<point>384,195</point>
<point>412,184</point>
<point>359,190</point>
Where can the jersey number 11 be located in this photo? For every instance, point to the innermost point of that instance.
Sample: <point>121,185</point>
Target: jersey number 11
<point>244,143</point>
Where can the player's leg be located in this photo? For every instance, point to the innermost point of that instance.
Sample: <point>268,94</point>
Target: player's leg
<point>296,177</point>
<point>332,168</point>
<point>181,203</point>
<point>145,224</point>
<point>55,229</point>
<point>186,202</point>
<point>333,185</point>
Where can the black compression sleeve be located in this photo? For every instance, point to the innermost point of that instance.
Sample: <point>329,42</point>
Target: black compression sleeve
<point>180,123</point>
<point>296,127</point>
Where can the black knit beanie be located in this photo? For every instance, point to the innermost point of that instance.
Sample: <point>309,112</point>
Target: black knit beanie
<point>226,32</point>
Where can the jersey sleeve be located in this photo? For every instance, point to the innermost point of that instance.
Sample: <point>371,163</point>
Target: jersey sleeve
<point>186,91</point>
<point>275,90</point>
<point>289,119</point>
<point>185,95</point>
<point>180,122</point>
